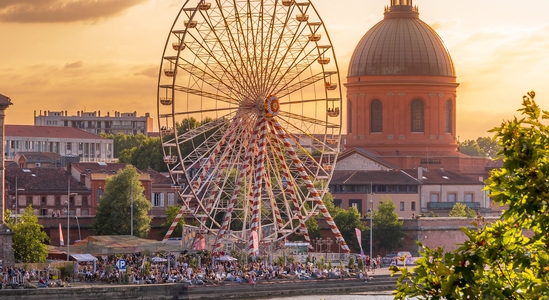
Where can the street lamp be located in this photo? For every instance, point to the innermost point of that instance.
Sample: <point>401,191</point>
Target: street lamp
<point>319,242</point>
<point>69,217</point>
<point>371,210</point>
<point>328,243</point>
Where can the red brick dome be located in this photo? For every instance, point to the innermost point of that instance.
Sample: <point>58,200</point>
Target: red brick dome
<point>401,44</point>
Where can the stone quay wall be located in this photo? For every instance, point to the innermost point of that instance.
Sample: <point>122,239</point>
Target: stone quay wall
<point>282,288</point>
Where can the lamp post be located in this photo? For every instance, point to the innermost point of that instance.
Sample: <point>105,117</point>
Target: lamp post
<point>371,219</point>
<point>68,217</point>
<point>131,209</point>
<point>328,243</point>
<point>69,194</point>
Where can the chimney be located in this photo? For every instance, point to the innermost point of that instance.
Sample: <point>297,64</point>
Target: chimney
<point>441,169</point>
<point>420,173</point>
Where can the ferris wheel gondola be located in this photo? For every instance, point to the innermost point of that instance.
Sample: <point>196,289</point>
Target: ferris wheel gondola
<point>247,95</point>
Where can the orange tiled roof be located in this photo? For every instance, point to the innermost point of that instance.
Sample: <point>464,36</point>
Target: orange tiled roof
<point>48,132</point>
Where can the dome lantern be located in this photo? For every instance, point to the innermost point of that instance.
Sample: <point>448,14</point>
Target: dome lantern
<point>401,44</point>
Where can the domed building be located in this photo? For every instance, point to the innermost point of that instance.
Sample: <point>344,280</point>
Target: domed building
<point>401,91</point>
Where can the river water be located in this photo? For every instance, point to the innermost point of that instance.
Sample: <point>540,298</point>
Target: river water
<point>354,296</point>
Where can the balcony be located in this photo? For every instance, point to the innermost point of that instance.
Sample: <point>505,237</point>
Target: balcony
<point>450,205</point>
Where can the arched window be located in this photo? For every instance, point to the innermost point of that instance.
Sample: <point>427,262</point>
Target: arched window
<point>376,116</point>
<point>350,117</point>
<point>449,116</point>
<point>417,116</point>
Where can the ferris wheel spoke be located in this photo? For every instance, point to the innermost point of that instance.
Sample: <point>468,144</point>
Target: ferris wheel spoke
<point>248,65</point>
<point>210,77</point>
<point>194,112</point>
<point>290,188</point>
<point>224,159</point>
<point>303,83</point>
<point>225,62</point>
<point>258,180</point>
<point>312,190</point>
<point>239,181</point>
<point>306,119</point>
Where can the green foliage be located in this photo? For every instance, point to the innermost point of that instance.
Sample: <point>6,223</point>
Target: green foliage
<point>461,210</point>
<point>387,229</point>
<point>7,218</point>
<point>171,213</point>
<point>124,141</point>
<point>65,271</point>
<point>351,262</point>
<point>148,154</point>
<point>433,215</point>
<point>482,146</point>
<point>114,210</point>
<point>347,221</point>
<point>28,238</point>
<point>507,259</point>
<point>147,268</point>
<point>360,264</point>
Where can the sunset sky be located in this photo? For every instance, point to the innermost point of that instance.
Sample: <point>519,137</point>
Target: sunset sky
<point>105,54</point>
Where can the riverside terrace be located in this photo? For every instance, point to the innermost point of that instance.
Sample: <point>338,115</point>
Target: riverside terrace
<point>281,286</point>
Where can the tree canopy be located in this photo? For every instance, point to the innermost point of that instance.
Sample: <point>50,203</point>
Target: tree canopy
<point>387,229</point>
<point>482,146</point>
<point>347,220</point>
<point>461,210</point>
<point>114,210</point>
<point>28,237</point>
<point>509,258</point>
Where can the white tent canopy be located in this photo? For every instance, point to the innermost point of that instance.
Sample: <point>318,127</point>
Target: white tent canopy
<point>85,258</point>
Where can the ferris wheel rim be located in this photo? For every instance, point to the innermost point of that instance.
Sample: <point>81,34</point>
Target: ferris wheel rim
<point>232,105</point>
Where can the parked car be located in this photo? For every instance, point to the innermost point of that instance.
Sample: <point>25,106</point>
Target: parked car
<point>388,259</point>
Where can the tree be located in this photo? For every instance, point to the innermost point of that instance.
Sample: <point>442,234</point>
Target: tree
<point>506,259</point>
<point>171,213</point>
<point>114,213</point>
<point>387,229</point>
<point>461,210</point>
<point>124,141</point>
<point>482,146</point>
<point>28,237</point>
<point>471,148</point>
<point>347,220</point>
<point>148,154</point>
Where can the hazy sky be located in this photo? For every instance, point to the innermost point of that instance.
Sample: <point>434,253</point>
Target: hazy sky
<point>105,54</point>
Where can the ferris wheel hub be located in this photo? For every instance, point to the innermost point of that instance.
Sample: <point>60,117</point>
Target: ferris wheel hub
<point>271,106</point>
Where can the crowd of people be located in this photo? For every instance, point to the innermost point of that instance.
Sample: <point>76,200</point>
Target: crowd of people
<point>186,269</point>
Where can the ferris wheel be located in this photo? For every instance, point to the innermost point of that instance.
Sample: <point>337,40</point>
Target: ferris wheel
<point>249,100</point>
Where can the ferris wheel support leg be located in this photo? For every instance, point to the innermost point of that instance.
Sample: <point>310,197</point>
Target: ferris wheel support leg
<point>174,224</point>
<point>243,172</point>
<point>217,179</point>
<point>213,156</point>
<point>259,174</point>
<point>291,190</point>
<point>310,186</point>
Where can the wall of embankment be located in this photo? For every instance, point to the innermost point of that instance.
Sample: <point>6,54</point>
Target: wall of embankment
<point>184,292</point>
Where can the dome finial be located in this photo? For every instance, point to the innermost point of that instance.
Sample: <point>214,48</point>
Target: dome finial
<point>401,2</point>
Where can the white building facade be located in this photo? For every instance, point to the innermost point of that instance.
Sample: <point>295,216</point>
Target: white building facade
<point>93,122</point>
<point>66,141</point>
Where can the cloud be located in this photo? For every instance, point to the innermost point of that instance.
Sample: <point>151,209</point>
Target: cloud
<point>74,65</point>
<point>61,11</point>
<point>151,72</point>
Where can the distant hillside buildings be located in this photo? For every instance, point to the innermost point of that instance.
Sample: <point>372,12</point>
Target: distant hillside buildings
<point>93,122</point>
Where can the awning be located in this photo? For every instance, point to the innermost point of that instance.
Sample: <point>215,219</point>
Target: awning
<point>83,257</point>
